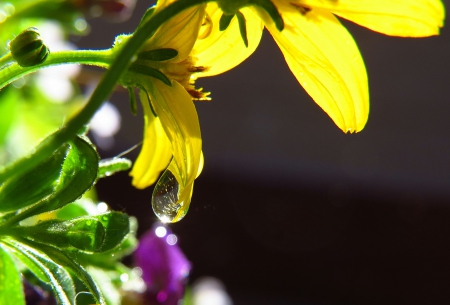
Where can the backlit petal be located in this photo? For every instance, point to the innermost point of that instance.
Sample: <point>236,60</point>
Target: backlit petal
<point>156,150</point>
<point>179,33</point>
<point>221,51</point>
<point>408,18</point>
<point>326,61</point>
<point>178,116</point>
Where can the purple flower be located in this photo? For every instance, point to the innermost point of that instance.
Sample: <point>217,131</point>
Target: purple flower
<point>164,266</point>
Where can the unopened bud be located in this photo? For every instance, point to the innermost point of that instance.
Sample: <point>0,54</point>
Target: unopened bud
<point>28,49</point>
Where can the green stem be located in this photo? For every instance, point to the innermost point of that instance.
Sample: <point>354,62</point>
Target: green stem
<point>101,93</point>
<point>5,59</point>
<point>101,58</point>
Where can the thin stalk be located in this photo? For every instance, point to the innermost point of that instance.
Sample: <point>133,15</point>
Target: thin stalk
<point>5,59</point>
<point>100,58</point>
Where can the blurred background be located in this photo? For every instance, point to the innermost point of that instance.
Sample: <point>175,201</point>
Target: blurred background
<point>288,209</point>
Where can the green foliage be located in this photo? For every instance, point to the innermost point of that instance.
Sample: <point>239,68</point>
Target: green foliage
<point>49,249</point>
<point>52,273</point>
<point>10,283</point>
<point>49,234</point>
<point>109,167</point>
<point>34,186</point>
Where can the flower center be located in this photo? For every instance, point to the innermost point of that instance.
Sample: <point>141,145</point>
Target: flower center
<point>182,72</point>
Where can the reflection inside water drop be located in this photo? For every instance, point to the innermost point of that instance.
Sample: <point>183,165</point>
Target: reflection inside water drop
<point>165,197</point>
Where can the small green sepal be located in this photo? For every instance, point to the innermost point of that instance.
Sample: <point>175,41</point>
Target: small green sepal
<point>149,71</point>
<point>242,27</point>
<point>272,10</point>
<point>133,102</point>
<point>224,22</point>
<point>158,54</point>
<point>148,13</point>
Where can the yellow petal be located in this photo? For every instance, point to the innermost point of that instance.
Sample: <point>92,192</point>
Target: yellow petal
<point>324,58</point>
<point>407,18</point>
<point>156,149</point>
<point>200,166</point>
<point>178,116</point>
<point>223,50</point>
<point>179,33</point>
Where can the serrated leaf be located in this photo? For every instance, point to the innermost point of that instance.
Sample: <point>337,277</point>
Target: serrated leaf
<point>22,191</point>
<point>56,276</point>
<point>62,259</point>
<point>11,291</point>
<point>108,167</point>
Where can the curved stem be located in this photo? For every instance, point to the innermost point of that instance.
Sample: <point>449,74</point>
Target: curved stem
<point>103,90</point>
<point>5,59</point>
<point>100,58</point>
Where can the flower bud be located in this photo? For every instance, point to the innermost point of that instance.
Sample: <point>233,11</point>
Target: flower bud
<point>28,49</point>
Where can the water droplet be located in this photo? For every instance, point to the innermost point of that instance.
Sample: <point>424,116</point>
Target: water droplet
<point>165,197</point>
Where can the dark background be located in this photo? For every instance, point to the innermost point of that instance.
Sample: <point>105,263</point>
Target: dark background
<point>288,209</point>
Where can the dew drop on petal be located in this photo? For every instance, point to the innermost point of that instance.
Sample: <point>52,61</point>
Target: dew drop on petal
<point>165,197</point>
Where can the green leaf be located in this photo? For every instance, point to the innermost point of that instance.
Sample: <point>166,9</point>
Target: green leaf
<point>78,175</point>
<point>107,167</point>
<point>109,260</point>
<point>11,291</point>
<point>29,264</point>
<point>62,259</point>
<point>158,54</point>
<point>117,227</point>
<point>55,275</point>
<point>83,233</point>
<point>22,191</point>
<point>86,234</point>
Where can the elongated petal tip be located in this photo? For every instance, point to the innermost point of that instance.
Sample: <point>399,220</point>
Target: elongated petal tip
<point>326,61</point>
<point>405,18</point>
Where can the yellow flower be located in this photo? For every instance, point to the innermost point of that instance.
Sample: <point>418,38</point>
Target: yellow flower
<point>320,52</point>
<point>172,137</point>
